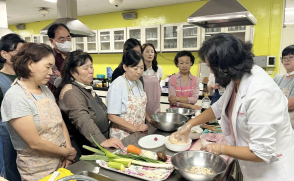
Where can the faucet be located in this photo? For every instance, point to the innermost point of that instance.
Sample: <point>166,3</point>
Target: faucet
<point>77,177</point>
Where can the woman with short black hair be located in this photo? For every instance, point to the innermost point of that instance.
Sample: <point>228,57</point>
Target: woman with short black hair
<point>253,111</point>
<point>183,88</point>
<point>126,98</point>
<point>286,81</point>
<point>43,144</point>
<point>9,46</point>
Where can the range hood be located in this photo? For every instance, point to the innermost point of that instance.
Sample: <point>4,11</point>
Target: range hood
<point>67,14</point>
<point>222,13</point>
<point>3,19</point>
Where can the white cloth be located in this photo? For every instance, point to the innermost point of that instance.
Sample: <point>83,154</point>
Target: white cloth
<point>117,95</point>
<point>288,74</point>
<point>150,71</point>
<point>261,121</point>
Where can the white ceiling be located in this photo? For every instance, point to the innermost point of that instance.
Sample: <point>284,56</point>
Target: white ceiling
<point>26,11</point>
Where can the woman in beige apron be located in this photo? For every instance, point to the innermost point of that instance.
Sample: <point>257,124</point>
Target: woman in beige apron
<point>126,98</point>
<point>34,120</point>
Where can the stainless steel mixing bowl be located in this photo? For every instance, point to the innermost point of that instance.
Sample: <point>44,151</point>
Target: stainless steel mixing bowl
<point>187,159</point>
<point>185,111</point>
<point>168,121</point>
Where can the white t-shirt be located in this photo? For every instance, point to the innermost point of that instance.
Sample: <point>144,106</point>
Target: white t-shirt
<point>150,71</point>
<point>117,95</point>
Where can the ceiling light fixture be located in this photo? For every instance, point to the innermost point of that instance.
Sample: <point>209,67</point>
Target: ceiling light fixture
<point>44,11</point>
<point>51,1</point>
<point>116,2</point>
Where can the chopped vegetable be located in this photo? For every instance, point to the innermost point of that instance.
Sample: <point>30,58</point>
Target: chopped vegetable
<point>194,132</point>
<point>161,165</point>
<point>148,154</point>
<point>138,157</point>
<point>108,153</point>
<point>116,165</point>
<point>126,162</point>
<point>93,150</point>
<point>155,139</point>
<point>94,157</point>
<point>161,156</point>
<point>133,149</point>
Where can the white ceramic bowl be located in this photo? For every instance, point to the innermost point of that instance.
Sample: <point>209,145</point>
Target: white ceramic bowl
<point>177,148</point>
<point>194,135</point>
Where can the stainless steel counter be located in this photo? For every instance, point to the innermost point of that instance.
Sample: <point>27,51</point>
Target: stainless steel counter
<point>133,139</point>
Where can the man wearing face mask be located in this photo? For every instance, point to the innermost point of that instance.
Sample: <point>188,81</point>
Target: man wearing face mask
<point>59,36</point>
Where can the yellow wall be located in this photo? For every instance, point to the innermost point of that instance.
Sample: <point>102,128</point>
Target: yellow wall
<point>266,40</point>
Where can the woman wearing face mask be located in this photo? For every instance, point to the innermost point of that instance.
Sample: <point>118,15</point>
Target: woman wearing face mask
<point>126,98</point>
<point>183,88</point>
<point>130,44</point>
<point>286,81</point>
<point>253,111</point>
<point>43,144</point>
<point>9,45</point>
<point>152,77</point>
<point>85,112</point>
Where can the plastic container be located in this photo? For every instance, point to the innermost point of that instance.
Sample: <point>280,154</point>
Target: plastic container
<point>100,76</point>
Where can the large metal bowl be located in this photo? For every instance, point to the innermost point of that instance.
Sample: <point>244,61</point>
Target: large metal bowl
<point>185,111</point>
<point>188,159</point>
<point>168,121</point>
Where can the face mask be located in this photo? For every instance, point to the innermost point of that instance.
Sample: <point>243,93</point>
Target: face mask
<point>64,47</point>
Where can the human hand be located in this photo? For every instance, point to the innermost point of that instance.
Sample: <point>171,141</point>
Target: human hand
<point>195,107</point>
<point>215,148</point>
<point>112,142</point>
<point>183,132</point>
<point>172,99</point>
<point>57,73</point>
<point>66,163</point>
<point>217,86</point>
<point>141,127</point>
<point>71,154</point>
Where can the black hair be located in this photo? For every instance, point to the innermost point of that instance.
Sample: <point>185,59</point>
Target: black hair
<point>28,52</point>
<point>289,50</point>
<point>9,43</point>
<point>228,57</point>
<point>131,43</point>
<point>72,61</point>
<point>182,54</point>
<point>154,61</point>
<point>53,28</point>
<point>131,58</point>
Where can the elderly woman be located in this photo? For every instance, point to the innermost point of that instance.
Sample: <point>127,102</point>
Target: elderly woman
<point>84,110</point>
<point>126,98</point>
<point>9,45</point>
<point>253,111</point>
<point>43,144</point>
<point>183,88</point>
<point>286,81</point>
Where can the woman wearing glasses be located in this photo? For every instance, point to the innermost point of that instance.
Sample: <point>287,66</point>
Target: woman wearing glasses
<point>286,81</point>
<point>126,98</point>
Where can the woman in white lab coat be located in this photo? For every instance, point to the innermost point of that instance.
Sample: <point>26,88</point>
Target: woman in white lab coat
<point>253,111</point>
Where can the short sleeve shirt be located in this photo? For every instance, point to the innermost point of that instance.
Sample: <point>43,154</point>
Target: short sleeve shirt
<point>150,71</point>
<point>283,83</point>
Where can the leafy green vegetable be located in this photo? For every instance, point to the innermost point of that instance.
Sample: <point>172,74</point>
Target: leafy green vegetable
<point>107,153</point>
<point>93,150</point>
<point>138,157</point>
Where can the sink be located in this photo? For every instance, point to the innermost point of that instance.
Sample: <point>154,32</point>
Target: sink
<point>95,176</point>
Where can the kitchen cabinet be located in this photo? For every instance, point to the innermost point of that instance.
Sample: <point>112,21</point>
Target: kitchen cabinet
<point>87,44</point>
<point>111,40</point>
<point>190,37</point>
<point>170,37</point>
<point>40,39</point>
<point>135,32</point>
<point>27,38</point>
<point>151,34</point>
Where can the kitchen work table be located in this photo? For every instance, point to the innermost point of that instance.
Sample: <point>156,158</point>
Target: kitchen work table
<point>133,139</point>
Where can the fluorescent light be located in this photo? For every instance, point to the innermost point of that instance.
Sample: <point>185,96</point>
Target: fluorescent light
<point>51,1</point>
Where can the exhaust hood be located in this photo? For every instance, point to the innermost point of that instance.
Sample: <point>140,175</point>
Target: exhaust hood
<point>3,19</point>
<point>67,14</point>
<point>222,13</point>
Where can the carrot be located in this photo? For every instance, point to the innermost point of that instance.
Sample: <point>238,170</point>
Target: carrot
<point>133,149</point>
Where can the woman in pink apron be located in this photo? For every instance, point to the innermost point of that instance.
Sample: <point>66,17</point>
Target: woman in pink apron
<point>183,88</point>
<point>34,121</point>
<point>286,81</point>
<point>126,98</point>
<point>152,77</point>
